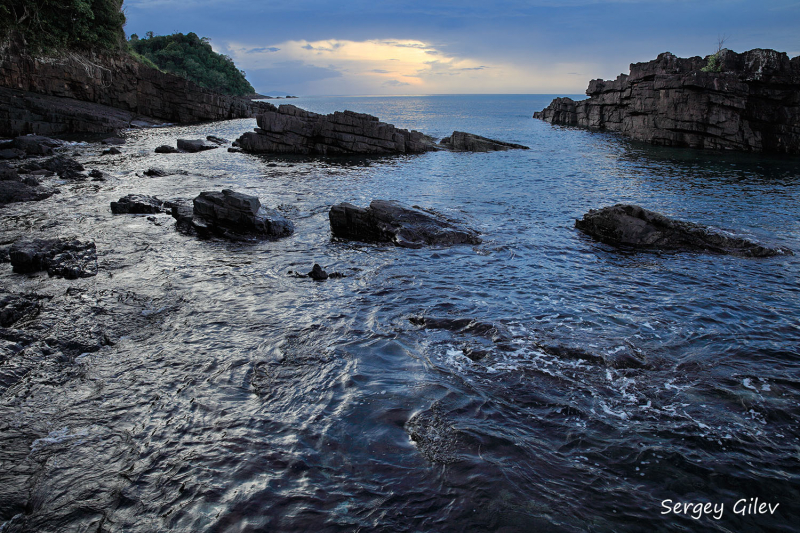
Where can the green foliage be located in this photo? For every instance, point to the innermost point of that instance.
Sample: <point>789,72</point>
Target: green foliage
<point>714,64</point>
<point>191,57</point>
<point>57,25</point>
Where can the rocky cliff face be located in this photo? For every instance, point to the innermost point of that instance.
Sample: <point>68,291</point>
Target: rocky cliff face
<point>752,104</point>
<point>77,94</point>
<point>289,129</point>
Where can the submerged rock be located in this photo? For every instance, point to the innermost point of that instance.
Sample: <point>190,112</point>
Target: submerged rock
<point>137,204</point>
<point>66,258</point>
<point>636,227</point>
<point>195,145</point>
<point>289,129</point>
<point>389,221</point>
<point>317,274</point>
<point>166,149</point>
<point>460,141</point>
<point>230,214</point>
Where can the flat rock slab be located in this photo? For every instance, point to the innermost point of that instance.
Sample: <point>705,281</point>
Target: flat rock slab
<point>65,258</point>
<point>389,221</point>
<point>230,214</point>
<point>635,227</point>
<point>461,141</point>
<point>137,204</point>
<point>195,145</point>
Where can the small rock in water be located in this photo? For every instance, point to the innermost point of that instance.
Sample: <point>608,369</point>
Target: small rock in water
<point>317,274</point>
<point>166,149</point>
<point>113,140</point>
<point>461,141</point>
<point>217,140</point>
<point>195,145</point>
<point>94,173</point>
<point>66,258</point>
<point>111,151</point>
<point>137,204</point>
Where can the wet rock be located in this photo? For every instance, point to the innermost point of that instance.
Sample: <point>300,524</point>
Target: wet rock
<point>217,140</point>
<point>30,181</point>
<point>63,166</point>
<point>230,214</point>
<point>8,173</point>
<point>235,150</point>
<point>14,307</point>
<point>113,140</point>
<point>635,227</point>
<point>434,436</point>
<point>36,144</point>
<point>44,173</point>
<point>111,151</point>
<point>166,149</point>
<point>495,332</point>
<point>95,174</point>
<point>67,258</point>
<point>17,191</point>
<point>460,141</point>
<point>160,172</point>
<point>12,153</point>
<point>137,204</point>
<point>289,129</point>
<point>195,145</point>
<point>317,274</point>
<point>751,104</point>
<point>389,221</point>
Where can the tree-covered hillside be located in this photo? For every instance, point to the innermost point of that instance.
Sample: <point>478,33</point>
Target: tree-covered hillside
<point>192,57</point>
<point>55,25</point>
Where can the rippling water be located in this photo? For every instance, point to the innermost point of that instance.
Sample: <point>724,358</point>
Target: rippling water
<point>244,399</point>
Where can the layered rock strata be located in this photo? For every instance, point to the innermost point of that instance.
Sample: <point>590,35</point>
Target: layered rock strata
<point>388,221</point>
<point>635,227</point>
<point>72,94</point>
<point>291,130</point>
<point>230,214</point>
<point>751,104</point>
<point>460,141</point>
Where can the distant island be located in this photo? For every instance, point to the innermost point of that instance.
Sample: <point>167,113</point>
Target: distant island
<point>725,101</point>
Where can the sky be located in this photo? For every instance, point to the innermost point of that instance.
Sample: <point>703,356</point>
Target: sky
<point>377,47</point>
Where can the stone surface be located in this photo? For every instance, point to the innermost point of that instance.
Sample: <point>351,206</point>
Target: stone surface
<point>17,191</point>
<point>635,227</point>
<point>111,151</point>
<point>195,145</point>
<point>460,141</point>
<point>289,129</point>
<point>66,258</point>
<point>113,140</point>
<point>101,93</point>
<point>60,165</point>
<point>36,144</point>
<point>137,204</point>
<point>166,149</point>
<point>389,221</point>
<point>317,274</point>
<point>217,140</point>
<point>753,104</point>
<point>230,214</point>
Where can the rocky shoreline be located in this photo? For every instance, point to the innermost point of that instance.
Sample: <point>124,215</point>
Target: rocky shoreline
<point>752,103</point>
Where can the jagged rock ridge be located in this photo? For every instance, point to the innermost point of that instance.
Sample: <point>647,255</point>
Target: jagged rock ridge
<point>752,104</point>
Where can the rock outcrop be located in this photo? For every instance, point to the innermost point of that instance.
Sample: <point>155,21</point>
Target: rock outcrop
<point>634,227</point>
<point>96,94</point>
<point>137,204</point>
<point>291,130</point>
<point>195,145</point>
<point>230,214</point>
<point>751,104</point>
<point>65,258</point>
<point>388,221</point>
<point>460,141</point>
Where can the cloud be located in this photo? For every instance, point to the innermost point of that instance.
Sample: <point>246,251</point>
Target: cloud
<point>395,83</point>
<point>380,71</point>
<point>263,49</point>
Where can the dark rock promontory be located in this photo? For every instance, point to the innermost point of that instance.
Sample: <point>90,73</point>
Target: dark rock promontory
<point>460,141</point>
<point>751,104</point>
<point>389,221</point>
<point>230,214</point>
<point>289,129</point>
<point>635,227</point>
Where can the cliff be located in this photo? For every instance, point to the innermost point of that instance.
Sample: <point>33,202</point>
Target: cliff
<point>77,94</point>
<point>752,104</point>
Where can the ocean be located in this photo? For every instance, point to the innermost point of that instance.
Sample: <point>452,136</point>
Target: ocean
<point>233,396</point>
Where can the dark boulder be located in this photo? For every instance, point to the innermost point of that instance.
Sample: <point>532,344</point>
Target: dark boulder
<point>460,141</point>
<point>17,191</point>
<point>137,204</point>
<point>217,140</point>
<point>96,175</point>
<point>635,227</point>
<point>12,153</point>
<point>36,144</point>
<point>63,166</point>
<point>230,214</point>
<point>113,140</point>
<point>166,149</point>
<point>14,307</point>
<point>66,258</point>
<point>8,173</point>
<point>317,274</point>
<point>195,145</point>
<point>389,221</point>
<point>111,151</point>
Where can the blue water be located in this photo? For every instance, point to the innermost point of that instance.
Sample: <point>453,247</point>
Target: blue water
<point>249,400</point>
